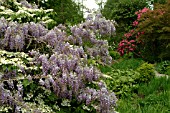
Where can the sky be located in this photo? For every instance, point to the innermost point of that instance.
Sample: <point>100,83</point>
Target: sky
<point>90,4</point>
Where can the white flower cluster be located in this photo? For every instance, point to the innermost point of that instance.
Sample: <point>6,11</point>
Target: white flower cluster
<point>25,11</point>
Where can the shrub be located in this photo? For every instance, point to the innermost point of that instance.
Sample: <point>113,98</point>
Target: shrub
<point>23,12</point>
<point>122,82</point>
<point>129,43</point>
<point>48,70</point>
<point>163,67</point>
<point>114,54</point>
<point>146,71</point>
<point>151,34</point>
<point>155,40</point>
<point>125,81</point>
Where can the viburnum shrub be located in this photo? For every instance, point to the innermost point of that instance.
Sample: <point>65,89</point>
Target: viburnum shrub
<point>47,71</point>
<point>129,42</point>
<point>23,12</point>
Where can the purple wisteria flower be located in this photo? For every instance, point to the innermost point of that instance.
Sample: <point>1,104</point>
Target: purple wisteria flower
<point>64,70</point>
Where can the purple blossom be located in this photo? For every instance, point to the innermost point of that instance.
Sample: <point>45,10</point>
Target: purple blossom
<point>66,68</point>
<point>19,42</point>
<point>37,30</point>
<point>25,4</point>
<point>3,24</point>
<point>45,64</point>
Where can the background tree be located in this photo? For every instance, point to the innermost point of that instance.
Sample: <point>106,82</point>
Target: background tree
<point>65,11</point>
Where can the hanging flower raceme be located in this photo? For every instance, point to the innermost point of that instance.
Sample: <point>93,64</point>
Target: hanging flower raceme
<point>64,70</point>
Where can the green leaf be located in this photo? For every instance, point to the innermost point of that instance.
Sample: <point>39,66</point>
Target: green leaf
<point>26,82</point>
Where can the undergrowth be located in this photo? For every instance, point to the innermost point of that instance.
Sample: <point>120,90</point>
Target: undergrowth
<point>149,98</point>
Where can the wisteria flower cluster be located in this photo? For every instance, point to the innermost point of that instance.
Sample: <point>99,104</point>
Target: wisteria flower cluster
<point>92,33</point>
<point>64,70</point>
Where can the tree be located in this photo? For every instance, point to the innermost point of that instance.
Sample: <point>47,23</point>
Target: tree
<point>65,11</point>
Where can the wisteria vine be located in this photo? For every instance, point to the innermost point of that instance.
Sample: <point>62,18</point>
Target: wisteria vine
<point>57,61</point>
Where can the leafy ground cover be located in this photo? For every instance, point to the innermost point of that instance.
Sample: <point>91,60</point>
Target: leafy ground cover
<point>137,88</point>
<point>163,67</point>
<point>125,75</point>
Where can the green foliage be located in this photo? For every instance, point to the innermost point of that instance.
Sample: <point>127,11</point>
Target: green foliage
<point>114,54</point>
<point>65,11</point>
<point>149,98</point>
<point>125,77</point>
<point>122,82</point>
<point>104,69</point>
<point>168,71</point>
<point>163,67</point>
<point>146,71</point>
<point>160,1</point>
<point>156,38</point>
<point>128,64</point>
<point>123,10</point>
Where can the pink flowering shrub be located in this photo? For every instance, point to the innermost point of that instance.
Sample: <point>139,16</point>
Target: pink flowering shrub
<point>126,46</point>
<point>140,12</point>
<point>156,32</point>
<point>129,41</point>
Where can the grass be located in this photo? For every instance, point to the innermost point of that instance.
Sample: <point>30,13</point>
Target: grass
<point>122,65</point>
<point>153,97</point>
<point>128,64</point>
